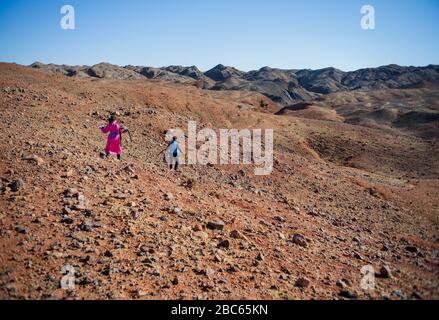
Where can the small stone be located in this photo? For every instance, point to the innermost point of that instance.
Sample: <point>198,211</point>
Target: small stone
<point>235,234</point>
<point>67,174</point>
<point>260,257</point>
<point>356,239</point>
<point>11,288</point>
<point>285,270</point>
<point>209,272</point>
<point>21,230</point>
<point>169,196</point>
<point>341,284</point>
<point>16,185</point>
<point>176,210</point>
<point>108,254</point>
<point>107,270</point>
<point>85,226</point>
<point>144,249</point>
<point>71,192</point>
<point>411,249</point>
<point>35,159</point>
<point>300,240</point>
<point>302,282</point>
<point>358,256</point>
<point>385,272</point>
<point>398,293</point>
<point>348,294</point>
<point>216,225</point>
<point>281,236</point>
<point>128,169</point>
<point>197,228</point>
<point>88,213</point>
<point>141,293</point>
<point>417,295</point>
<point>224,244</point>
<point>78,237</point>
<point>67,220</point>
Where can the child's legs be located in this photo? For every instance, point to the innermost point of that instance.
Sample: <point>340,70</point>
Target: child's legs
<point>173,163</point>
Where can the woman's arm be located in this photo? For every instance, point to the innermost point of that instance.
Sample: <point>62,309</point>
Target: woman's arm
<point>104,129</point>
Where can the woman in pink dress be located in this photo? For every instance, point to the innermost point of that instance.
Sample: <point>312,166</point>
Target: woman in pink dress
<point>114,131</point>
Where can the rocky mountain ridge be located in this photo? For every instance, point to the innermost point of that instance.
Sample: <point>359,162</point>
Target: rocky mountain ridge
<point>284,87</point>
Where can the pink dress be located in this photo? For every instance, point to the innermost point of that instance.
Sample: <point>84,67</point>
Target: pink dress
<point>113,141</point>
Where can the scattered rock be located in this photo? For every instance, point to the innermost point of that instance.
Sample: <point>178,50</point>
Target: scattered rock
<point>341,284</point>
<point>302,282</point>
<point>169,196</point>
<point>313,213</point>
<point>209,272</point>
<point>358,256</point>
<point>299,240</point>
<point>411,249</point>
<point>34,158</point>
<point>216,225</point>
<point>197,228</point>
<point>385,272</point>
<point>235,234</point>
<point>128,169</point>
<point>67,220</point>
<point>398,293</point>
<point>224,244</point>
<point>176,210</point>
<point>345,293</point>
<point>108,254</point>
<point>16,185</point>
<point>141,293</point>
<point>71,192</point>
<point>85,226</point>
<point>21,230</point>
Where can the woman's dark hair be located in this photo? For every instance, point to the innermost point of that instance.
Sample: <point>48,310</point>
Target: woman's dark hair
<point>174,138</point>
<point>112,118</point>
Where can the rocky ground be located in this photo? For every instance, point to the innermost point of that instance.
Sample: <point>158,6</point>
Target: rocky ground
<point>341,197</point>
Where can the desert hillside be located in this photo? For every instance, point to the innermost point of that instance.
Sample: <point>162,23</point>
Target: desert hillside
<point>354,184</point>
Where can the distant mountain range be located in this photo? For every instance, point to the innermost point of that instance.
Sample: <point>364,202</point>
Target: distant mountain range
<point>285,87</point>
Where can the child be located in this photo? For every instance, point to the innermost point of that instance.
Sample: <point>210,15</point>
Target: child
<point>114,131</point>
<point>173,153</point>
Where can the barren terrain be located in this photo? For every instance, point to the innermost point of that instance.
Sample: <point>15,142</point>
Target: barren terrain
<point>346,191</point>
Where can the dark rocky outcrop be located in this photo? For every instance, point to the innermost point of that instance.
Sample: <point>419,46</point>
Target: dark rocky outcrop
<point>285,87</point>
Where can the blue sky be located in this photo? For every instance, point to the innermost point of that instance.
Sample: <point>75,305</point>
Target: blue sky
<point>247,34</point>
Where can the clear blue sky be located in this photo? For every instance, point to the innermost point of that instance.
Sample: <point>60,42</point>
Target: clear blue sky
<point>247,34</point>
